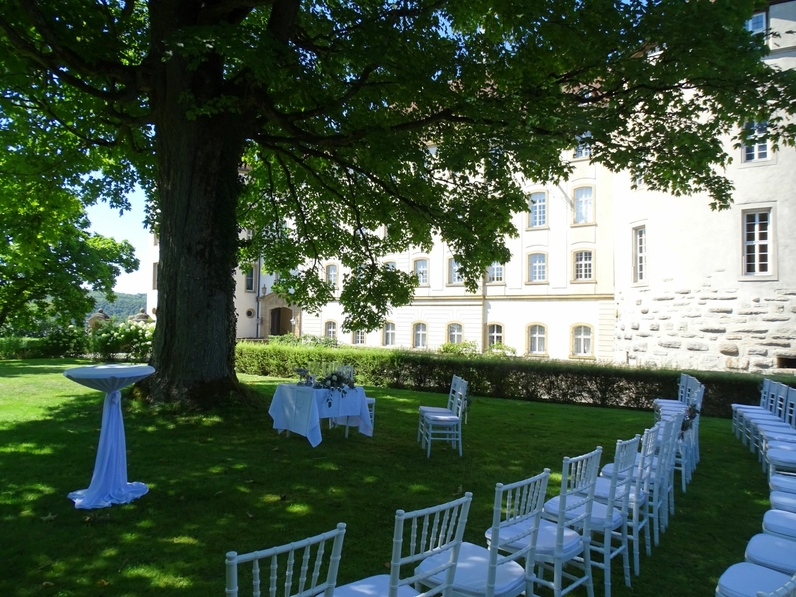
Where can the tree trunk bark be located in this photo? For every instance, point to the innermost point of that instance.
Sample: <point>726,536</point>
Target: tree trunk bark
<point>198,190</point>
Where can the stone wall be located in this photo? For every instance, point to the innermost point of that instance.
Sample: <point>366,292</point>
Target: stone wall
<point>707,329</point>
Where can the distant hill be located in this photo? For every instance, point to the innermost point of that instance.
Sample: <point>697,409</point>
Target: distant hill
<point>124,305</point>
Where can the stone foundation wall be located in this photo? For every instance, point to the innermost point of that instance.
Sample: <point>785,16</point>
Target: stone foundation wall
<point>707,329</point>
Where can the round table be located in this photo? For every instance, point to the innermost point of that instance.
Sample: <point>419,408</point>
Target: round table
<point>109,482</point>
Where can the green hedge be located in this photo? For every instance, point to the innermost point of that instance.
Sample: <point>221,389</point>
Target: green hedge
<point>506,377</point>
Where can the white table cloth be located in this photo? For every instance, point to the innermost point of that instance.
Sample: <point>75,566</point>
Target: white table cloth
<point>300,409</point>
<point>109,482</point>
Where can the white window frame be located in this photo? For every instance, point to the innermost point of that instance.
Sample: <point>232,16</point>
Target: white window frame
<point>495,273</point>
<point>757,152</point>
<point>330,330</point>
<point>583,205</point>
<point>494,334</point>
<point>582,345</point>
<point>583,148</point>
<point>421,280</point>
<point>454,277</point>
<point>331,272</point>
<point>757,23</point>
<point>391,264</point>
<point>155,276</point>
<point>358,337</point>
<point>640,255</point>
<point>581,266</point>
<point>536,338</point>
<point>537,210</point>
<point>758,243</point>
<point>249,283</point>
<point>419,335</point>
<point>537,262</point>
<point>388,334</point>
<point>455,336</point>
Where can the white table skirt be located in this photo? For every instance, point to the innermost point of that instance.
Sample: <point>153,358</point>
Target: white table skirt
<point>109,482</point>
<point>300,409</point>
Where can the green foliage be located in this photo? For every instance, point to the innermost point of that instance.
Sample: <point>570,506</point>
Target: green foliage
<point>128,340</point>
<point>466,348</point>
<point>499,349</point>
<point>501,377</point>
<point>68,341</point>
<point>304,340</point>
<point>122,306</point>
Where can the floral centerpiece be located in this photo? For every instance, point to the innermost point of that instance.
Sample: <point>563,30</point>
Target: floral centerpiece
<point>335,381</point>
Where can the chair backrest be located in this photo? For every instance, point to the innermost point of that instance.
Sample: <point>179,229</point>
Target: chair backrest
<point>578,478</point>
<point>456,383</point>
<point>308,555</point>
<point>649,443</point>
<point>786,590</point>
<point>520,504</point>
<point>422,534</point>
<point>764,392</point>
<point>790,408</point>
<point>682,387</point>
<point>781,401</point>
<point>622,474</point>
<point>771,396</point>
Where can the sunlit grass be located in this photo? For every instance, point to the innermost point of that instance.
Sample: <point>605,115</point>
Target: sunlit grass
<point>227,481</point>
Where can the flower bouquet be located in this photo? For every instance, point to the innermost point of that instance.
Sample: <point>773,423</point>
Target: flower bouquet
<point>335,381</point>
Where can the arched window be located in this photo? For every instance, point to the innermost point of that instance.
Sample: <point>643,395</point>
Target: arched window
<point>330,330</point>
<point>584,205</point>
<point>389,334</point>
<point>358,337</point>
<point>331,275</point>
<point>494,334</point>
<point>581,341</point>
<point>419,335</point>
<point>455,333</point>
<point>537,267</point>
<point>537,339</point>
<point>421,271</point>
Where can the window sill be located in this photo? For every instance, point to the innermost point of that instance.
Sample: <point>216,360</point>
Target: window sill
<point>534,228</point>
<point>582,357</point>
<point>767,278</point>
<point>639,284</point>
<point>496,283</point>
<point>588,281</point>
<point>455,284</point>
<point>537,283</point>
<point>582,224</point>
<point>537,355</point>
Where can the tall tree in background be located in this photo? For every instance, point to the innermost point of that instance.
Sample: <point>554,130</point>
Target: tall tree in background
<point>332,107</point>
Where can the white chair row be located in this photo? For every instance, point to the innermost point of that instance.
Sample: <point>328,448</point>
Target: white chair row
<point>769,569</point>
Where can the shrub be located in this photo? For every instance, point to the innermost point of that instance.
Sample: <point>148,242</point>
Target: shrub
<point>466,348</point>
<point>502,377</point>
<point>128,340</point>
<point>69,341</point>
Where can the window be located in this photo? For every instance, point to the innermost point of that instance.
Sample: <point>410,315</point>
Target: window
<point>421,271</point>
<point>155,276</point>
<point>389,334</point>
<point>390,264</point>
<point>419,335</point>
<point>537,267</point>
<point>757,243</point>
<point>358,337</point>
<point>250,280</point>
<point>537,206</point>
<point>757,24</point>
<point>640,254</point>
<point>584,261</point>
<point>494,334</point>
<point>583,148</point>
<point>331,275</point>
<point>494,273</point>
<point>584,205</point>
<point>758,150</point>
<point>581,341</point>
<point>455,333</point>
<point>454,277</point>
<point>330,330</point>
<point>536,339</point>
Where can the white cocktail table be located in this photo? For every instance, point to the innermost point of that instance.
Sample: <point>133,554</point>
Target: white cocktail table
<point>109,482</point>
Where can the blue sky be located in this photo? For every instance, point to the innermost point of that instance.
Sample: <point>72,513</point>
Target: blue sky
<point>129,227</point>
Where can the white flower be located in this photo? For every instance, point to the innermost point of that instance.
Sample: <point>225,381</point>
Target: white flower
<point>334,377</point>
<point>328,383</point>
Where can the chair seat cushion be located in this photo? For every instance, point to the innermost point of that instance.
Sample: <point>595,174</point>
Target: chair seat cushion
<point>471,571</point>
<point>435,410</point>
<point>545,540</point>
<point>373,586</point>
<point>773,552</point>
<point>783,500</point>
<point>601,518</point>
<point>782,459</point>
<point>780,482</point>
<point>780,445</point>
<point>781,435</point>
<point>780,522</point>
<point>745,580</point>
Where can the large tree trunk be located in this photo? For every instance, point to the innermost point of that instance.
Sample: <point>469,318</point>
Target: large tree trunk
<point>198,189</point>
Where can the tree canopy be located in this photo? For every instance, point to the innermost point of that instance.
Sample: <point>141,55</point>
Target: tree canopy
<point>364,127</point>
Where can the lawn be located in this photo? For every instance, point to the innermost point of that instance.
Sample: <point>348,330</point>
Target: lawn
<point>227,481</point>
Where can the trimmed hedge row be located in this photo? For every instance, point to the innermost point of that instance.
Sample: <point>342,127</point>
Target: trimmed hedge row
<point>502,377</point>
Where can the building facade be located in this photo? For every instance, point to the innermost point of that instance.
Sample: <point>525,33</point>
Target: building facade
<point>604,270</point>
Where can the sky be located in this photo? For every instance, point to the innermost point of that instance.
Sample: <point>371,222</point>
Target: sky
<point>129,227</point>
